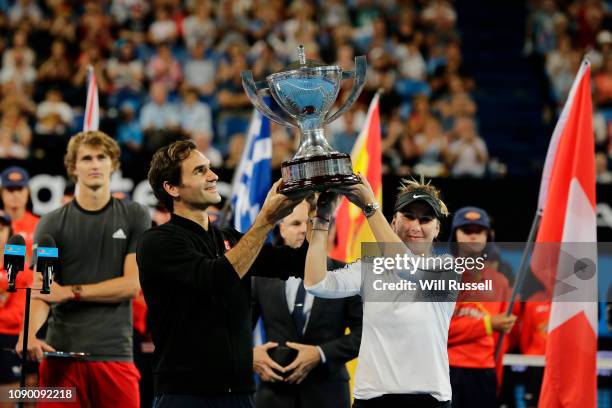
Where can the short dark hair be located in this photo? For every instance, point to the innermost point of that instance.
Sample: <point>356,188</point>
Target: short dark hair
<point>166,167</point>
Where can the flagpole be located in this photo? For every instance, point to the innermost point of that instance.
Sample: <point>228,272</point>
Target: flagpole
<point>522,272</point>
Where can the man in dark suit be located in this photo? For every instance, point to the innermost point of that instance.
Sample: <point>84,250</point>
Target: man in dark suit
<point>311,329</point>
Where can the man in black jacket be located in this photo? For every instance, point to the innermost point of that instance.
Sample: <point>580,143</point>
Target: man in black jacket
<point>193,278</point>
<point>313,329</point>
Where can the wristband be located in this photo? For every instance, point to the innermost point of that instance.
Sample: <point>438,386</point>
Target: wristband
<point>319,223</point>
<point>76,291</point>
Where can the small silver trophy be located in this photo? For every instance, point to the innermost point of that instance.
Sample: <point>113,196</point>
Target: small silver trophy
<point>306,91</point>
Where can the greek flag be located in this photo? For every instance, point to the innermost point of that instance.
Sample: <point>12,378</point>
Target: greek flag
<point>251,183</point>
<point>253,177</point>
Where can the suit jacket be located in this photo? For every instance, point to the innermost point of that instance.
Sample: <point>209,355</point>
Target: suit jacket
<point>327,384</point>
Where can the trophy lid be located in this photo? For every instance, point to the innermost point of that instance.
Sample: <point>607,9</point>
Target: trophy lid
<point>303,64</point>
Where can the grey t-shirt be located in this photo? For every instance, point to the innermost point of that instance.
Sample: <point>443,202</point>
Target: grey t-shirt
<point>92,248</point>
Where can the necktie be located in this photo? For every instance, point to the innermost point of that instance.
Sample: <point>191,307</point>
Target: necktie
<point>299,320</point>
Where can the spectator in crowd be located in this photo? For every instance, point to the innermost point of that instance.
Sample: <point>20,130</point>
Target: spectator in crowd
<point>602,48</point>
<point>467,155</point>
<point>203,142</point>
<point>163,67</point>
<point>56,71</point>
<point>95,26</point>
<point>589,17</point>
<point>264,60</point>
<point>163,29</point>
<point>604,175</point>
<point>455,103</point>
<point>399,152</point>
<point>92,56</point>
<point>130,138</point>
<point>282,145</point>
<point>195,116</point>
<point>126,72</point>
<point>136,26</point>
<point>560,65</point>
<point>234,105</point>
<point>431,147</point>
<point>200,68</point>
<point>20,50</point>
<point>234,151</point>
<point>314,375</point>
<point>602,83</point>
<point>419,114</point>
<point>25,9</point>
<point>344,130</point>
<point>541,32</point>
<point>19,74</point>
<point>63,26</point>
<point>54,116</point>
<point>411,62</point>
<point>200,27</point>
<point>15,134</point>
<point>12,98</point>
<point>159,119</point>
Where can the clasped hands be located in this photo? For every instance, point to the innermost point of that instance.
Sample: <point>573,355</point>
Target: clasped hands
<point>359,194</point>
<point>270,371</point>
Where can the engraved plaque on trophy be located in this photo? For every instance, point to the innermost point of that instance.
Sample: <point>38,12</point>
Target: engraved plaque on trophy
<point>305,92</point>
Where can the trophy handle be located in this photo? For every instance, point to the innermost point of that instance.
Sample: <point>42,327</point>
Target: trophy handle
<point>250,87</point>
<point>360,78</point>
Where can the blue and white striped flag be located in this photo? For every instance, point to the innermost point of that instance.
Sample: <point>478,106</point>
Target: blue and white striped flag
<point>251,183</point>
<point>253,177</point>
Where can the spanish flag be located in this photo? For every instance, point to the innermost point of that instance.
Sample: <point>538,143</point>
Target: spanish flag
<point>351,226</point>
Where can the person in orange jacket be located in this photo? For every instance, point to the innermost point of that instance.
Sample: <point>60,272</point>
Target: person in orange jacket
<point>11,313</point>
<point>533,336</point>
<point>14,199</point>
<point>479,316</point>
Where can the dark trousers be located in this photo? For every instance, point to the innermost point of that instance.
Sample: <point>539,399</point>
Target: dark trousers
<point>402,401</point>
<point>532,385</point>
<point>193,401</point>
<point>473,387</point>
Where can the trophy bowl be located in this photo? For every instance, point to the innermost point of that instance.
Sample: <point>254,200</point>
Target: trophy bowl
<point>305,92</point>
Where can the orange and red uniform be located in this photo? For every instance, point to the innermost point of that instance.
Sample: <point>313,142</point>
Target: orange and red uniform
<point>139,314</point>
<point>12,304</point>
<point>471,340</point>
<point>534,324</point>
<point>25,226</point>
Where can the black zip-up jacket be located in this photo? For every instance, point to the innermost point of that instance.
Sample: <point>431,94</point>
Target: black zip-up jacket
<point>200,309</point>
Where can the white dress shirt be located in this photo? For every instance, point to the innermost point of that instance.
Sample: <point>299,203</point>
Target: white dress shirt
<point>291,288</point>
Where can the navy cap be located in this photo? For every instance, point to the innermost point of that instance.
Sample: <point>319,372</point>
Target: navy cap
<point>471,216</point>
<point>5,218</point>
<point>14,177</point>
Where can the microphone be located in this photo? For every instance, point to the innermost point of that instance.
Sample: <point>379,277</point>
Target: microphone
<point>46,261</point>
<point>14,259</point>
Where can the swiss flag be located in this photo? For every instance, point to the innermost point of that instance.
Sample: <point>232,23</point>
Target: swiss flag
<point>567,205</point>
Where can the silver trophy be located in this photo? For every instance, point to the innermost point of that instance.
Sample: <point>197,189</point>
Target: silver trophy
<point>306,91</point>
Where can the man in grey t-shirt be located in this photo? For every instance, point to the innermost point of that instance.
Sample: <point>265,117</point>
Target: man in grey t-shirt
<point>89,308</point>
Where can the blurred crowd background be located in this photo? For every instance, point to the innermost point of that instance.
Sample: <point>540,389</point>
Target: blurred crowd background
<point>469,90</point>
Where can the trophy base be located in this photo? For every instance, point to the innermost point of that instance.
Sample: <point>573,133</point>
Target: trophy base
<point>317,173</point>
